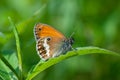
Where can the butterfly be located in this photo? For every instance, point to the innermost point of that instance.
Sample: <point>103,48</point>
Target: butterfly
<point>50,42</point>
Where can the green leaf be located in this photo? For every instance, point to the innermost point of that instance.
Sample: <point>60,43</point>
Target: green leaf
<point>41,66</point>
<point>6,69</point>
<point>4,75</point>
<point>12,59</point>
<point>17,46</point>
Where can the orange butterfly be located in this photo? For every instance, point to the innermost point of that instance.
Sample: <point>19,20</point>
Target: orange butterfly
<point>50,42</point>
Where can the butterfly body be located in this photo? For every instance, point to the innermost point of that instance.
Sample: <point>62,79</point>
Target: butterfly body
<point>50,42</point>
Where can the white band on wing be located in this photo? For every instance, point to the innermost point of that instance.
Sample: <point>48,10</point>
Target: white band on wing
<point>47,47</point>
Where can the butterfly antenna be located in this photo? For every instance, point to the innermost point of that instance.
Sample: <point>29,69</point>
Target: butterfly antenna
<point>72,34</point>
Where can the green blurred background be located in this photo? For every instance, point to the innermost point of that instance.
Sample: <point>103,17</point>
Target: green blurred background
<point>95,23</point>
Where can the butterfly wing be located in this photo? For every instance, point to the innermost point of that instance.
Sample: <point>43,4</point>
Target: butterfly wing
<point>49,41</point>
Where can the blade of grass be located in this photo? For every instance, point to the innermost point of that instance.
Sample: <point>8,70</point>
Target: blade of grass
<point>1,78</point>
<point>17,45</point>
<point>8,65</point>
<point>80,51</point>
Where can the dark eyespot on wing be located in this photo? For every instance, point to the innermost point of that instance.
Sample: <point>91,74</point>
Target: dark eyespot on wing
<point>39,29</point>
<point>48,39</point>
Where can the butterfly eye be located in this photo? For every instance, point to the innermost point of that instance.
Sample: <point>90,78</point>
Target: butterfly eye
<point>48,39</point>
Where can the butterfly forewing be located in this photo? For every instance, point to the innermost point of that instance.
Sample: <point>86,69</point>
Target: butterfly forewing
<point>43,30</point>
